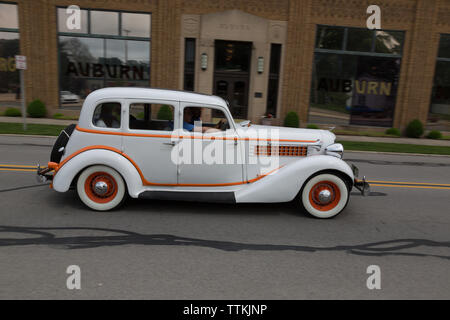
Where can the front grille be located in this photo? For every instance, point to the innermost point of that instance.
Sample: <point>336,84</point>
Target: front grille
<point>281,151</point>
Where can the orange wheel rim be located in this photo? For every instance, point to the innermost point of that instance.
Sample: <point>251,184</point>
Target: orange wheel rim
<point>108,185</point>
<point>319,201</point>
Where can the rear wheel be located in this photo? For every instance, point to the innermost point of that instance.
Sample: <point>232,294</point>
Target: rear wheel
<point>101,188</point>
<point>325,195</point>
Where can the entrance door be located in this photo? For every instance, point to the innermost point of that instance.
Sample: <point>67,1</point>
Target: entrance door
<point>232,74</point>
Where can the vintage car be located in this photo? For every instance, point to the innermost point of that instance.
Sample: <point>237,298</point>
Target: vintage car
<point>166,144</point>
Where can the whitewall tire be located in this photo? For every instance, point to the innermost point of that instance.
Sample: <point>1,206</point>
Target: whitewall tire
<point>324,195</point>
<point>101,188</point>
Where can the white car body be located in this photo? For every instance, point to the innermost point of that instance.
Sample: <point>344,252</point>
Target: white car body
<point>143,157</point>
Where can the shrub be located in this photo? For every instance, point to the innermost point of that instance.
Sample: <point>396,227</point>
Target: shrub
<point>13,112</point>
<point>414,129</point>
<point>434,134</point>
<point>36,109</point>
<point>291,120</point>
<point>164,113</point>
<point>393,132</point>
<point>312,126</point>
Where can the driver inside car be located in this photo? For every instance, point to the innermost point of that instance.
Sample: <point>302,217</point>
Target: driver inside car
<point>191,116</point>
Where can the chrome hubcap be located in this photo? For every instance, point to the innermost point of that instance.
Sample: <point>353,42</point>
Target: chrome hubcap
<point>101,188</point>
<point>324,196</point>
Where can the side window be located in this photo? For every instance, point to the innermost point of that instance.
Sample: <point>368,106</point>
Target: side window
<point>107,115</point>
<point>204,119</point>
<point>146,116</point>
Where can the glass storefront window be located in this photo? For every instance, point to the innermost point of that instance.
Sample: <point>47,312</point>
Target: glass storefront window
<point>359,40</point>
<point>439,114</point>
<point>136,25</point>
<point>9,48</point>
<point>88,62</point>
<point>104,22</point>
<point>8,16</point>
<point>356,88</point>
<point>388,42</point>
<point>444,46</point>
<point>329,37</point>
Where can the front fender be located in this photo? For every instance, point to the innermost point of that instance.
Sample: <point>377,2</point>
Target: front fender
<point>284,184</point>
<point>65,175</point>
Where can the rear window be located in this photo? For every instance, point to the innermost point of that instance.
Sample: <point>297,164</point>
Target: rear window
<point>107,115</point>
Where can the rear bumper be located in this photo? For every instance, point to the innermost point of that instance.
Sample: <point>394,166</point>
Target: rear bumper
<point>45,174</point>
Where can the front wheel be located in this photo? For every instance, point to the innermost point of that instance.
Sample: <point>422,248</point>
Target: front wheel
<point>101,188</point>
<point>325,195</point>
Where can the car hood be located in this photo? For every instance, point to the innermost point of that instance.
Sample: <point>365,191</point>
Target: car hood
<point>315,136</point>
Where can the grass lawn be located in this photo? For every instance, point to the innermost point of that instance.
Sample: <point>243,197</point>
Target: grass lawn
<point>394,147</point>
<point>34,129</point>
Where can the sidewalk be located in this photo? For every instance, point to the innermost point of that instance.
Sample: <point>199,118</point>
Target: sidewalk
<point>423,141</point>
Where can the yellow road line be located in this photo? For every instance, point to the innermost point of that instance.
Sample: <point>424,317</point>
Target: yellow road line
<point>404,186</point>
<point>24,170</point>
<point>17,165</point>
<point>396,182</point>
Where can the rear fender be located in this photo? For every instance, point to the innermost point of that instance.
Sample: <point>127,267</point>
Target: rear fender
<point>66,174</point>
<point>284,184</point>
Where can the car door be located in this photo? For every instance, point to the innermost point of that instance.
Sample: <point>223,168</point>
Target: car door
<point>148,139</point>
<point>210,158</point>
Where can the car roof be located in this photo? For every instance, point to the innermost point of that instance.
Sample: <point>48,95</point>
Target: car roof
<point>151,93</point>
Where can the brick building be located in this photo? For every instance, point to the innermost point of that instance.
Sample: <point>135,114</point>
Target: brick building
<point>315,57</point>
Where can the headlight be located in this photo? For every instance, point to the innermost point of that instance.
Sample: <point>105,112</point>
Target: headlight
<point>335,150</point>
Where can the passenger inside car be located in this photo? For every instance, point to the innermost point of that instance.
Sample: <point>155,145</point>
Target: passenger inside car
<point>192,115</point>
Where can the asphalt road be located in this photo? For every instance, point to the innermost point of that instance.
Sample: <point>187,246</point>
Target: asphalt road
<point>179,250</point>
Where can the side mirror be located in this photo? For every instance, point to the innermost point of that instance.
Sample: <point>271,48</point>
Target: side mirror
<point>245,123</point>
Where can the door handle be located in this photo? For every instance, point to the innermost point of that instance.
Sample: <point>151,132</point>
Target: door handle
<point>172,143</point>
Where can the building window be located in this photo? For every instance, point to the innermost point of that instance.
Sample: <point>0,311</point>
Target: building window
<point>111,49</point>
<point>355,76</point>
<point>274,76</point>
<point>439,115</point>
<point>9,48</point>
<point>189,64</point>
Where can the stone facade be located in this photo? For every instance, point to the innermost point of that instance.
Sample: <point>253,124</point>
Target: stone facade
<point>289,22</point>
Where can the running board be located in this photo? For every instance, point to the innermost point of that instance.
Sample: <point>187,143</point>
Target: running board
<point>218,197</point>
